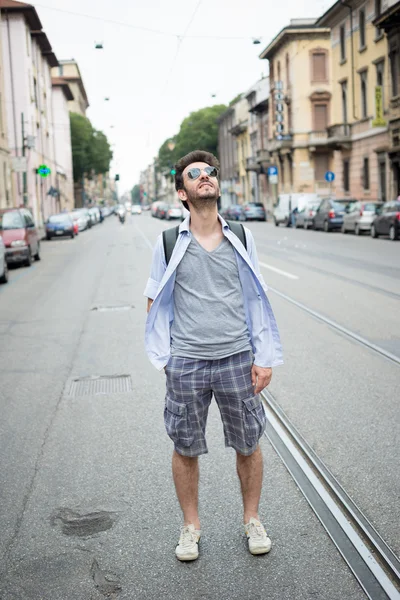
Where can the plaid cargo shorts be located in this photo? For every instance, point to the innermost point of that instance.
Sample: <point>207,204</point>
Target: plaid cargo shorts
<point>190,386</point>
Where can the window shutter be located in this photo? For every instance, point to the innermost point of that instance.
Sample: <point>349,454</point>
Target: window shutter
<point>320,117</point>
<point>319,66</point>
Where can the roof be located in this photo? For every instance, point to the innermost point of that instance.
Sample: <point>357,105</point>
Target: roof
<point>294,29</point>
<point>333,12</point>
<point>29,11</point>
<point>390,18</point>
<point>75,79</point>
<point>60,82</point>
<point>45,47</point>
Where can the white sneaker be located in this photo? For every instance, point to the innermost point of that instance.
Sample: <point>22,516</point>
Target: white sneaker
<point>259,542</point>
<point>188,545</point>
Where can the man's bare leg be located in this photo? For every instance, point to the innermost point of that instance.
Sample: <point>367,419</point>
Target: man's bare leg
<point>185,471</point>
<point>250,471</point>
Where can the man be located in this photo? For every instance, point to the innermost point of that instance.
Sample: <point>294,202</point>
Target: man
<point>212,329</point>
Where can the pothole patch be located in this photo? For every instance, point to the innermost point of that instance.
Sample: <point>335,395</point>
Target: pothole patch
<point>104,584</point>
<point>82,525</point>
<point>96,385</point>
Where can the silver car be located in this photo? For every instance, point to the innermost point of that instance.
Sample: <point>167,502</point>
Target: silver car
<point>359,216</point>
<point>304,218</point>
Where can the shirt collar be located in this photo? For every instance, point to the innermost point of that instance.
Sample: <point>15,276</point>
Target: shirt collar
<point>185,225</point>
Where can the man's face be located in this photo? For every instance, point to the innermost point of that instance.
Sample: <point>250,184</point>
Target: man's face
<point>201,191</point>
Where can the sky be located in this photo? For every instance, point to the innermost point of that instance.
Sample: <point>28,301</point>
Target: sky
<point>162,60</point>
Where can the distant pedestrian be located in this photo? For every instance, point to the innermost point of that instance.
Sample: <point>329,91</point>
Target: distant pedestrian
<point>211,327</point>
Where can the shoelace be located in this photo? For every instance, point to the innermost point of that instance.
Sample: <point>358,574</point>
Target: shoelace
<point>256,531</point>
<point>187,537</point>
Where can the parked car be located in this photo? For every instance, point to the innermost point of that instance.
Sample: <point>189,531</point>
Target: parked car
<point>185,213</point>
<point>253,211</point>
<point>136,209</point>
<point>287,203</point>
<point>59,225</point>
<point>162,209</point>
<point>94,214</point>
<point>83,218</point>
<point>305,217</point>
<point>174,211</point>
<point>329,214</point>
<point>20,236</point>
<point>154,208</point>
<point>3,263</point>
<point>358,216</point>
<point>233,212</point>
<point>387,221</point>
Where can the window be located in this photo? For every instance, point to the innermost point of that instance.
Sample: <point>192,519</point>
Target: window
<point>319,66</point>
<point>394,71</point>
<point>344,100</point>
<point>35,91</point>
<point>346,175</point>
<point>361,27</point>
<point>28,39</point>
<point>61,70</point>
<point>382,179</point>
<point>380,72</point>
<point>343,42</point>
<point>366,174</point>
<point>321,165</point>
<point>364,101</point>
<point>320,117</point>
<point>378,12</point>
<point>287,72</point>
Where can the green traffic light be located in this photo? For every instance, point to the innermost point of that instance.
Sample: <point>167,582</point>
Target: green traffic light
<point>173,172</point>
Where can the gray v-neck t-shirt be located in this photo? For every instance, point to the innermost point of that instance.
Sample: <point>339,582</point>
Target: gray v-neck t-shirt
<point>209,318</point>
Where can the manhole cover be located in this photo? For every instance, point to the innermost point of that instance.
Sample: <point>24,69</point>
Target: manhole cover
<point>112,308</point>
<point>93,386</point>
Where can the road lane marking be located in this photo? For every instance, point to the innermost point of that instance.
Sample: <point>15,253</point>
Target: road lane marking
<point>279,271</point>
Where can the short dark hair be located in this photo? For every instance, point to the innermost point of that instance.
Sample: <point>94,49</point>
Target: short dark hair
<point>188,159</point>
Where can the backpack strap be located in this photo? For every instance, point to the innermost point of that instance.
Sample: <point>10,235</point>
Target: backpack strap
<point>169,240</point>
<point>171,235</point>
<point>238,230</point>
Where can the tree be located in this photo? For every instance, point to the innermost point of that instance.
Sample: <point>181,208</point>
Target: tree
<point>90,148</point>
<point>135,194</point>
<point>199,131</point>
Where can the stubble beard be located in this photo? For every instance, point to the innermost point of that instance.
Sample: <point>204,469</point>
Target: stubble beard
<point>205,202</point>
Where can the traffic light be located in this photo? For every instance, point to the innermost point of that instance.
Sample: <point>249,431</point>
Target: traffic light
<point>172,171</point>
<point>117,178</point>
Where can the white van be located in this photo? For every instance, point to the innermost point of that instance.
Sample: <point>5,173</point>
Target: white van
<point>288,202</point>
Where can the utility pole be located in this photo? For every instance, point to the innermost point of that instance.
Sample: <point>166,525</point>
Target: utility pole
<point>24,177</point>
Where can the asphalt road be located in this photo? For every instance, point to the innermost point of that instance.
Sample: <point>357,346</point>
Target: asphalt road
<point>87,504</point>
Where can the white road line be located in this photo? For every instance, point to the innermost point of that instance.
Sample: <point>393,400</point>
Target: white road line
<point>284,273</point>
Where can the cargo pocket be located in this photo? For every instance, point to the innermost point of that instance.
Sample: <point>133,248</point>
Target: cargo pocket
<point>177,422</point>
<point>254,419</point>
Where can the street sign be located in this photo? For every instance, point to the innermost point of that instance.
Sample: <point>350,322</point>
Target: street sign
<point>272,171</point>
<point>273,178</point>
<point>329,176</point>
<point>18,164</point>
<point>44,171</point>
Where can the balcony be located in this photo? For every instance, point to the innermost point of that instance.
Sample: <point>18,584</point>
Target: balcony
<point>318,138</point>
<point>263,156</point>
<point>252,164</point>
<point>339,136</point>
<point>275,144</point>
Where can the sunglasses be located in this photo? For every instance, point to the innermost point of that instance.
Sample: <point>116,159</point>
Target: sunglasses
<point>195,172</point>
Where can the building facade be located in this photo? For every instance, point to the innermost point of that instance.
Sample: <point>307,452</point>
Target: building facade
<point>300,106</point>
<point>69,71</point>
<point>27,60</point>
<point>358,131</point>
<point>240,136</point>
<point>6,195</point>
<point>387,19</point>
<point>227,152</point>
<point>61,95</point>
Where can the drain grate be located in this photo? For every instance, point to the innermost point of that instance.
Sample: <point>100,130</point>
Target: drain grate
<point>94,386</point>
<point>112,308</point>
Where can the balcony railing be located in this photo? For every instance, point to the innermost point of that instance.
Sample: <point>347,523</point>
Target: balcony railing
<point>341,130</point>
<point>263,156</point>
<point>251,164</point>
<point>318,138</point>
